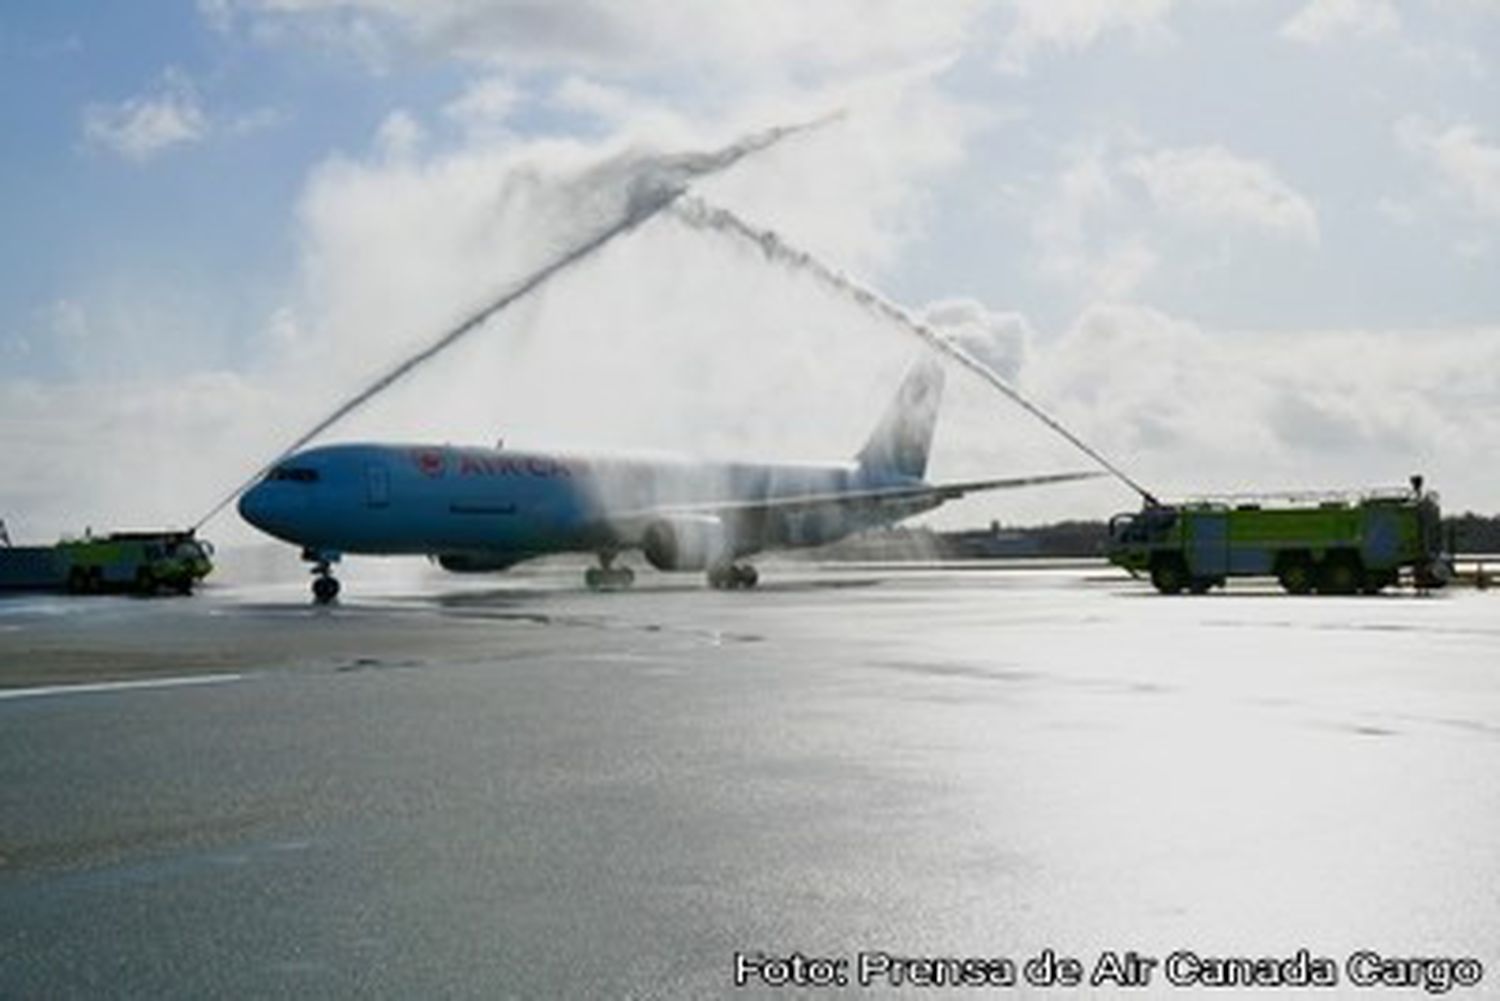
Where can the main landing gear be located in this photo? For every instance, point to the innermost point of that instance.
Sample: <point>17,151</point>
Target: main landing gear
<point>608,577</point>
<point>732,576</point>
<point>325,586</point>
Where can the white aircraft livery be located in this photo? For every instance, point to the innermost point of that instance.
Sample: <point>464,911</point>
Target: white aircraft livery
<point>478,510</point>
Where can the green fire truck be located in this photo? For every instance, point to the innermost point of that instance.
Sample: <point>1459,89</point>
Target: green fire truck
<point>140,562</point>
<point>1323,543</point>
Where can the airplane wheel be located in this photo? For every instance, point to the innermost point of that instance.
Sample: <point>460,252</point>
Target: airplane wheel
<point>609,578</point>
<point>325,589</point>
<point>733,577</point>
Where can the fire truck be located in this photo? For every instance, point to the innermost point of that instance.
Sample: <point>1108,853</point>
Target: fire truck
<point>1324,543</point>
<point>139,562</point>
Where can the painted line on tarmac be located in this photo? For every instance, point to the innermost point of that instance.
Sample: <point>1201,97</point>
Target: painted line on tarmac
<point>118,686</point>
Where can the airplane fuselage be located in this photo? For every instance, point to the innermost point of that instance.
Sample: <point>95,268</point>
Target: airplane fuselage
<point>500,506</point>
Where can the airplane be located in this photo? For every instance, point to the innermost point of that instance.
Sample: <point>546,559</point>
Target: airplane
<point>480,510</point>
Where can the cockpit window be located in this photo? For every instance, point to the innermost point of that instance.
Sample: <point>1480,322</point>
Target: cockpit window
<point>294,474</point>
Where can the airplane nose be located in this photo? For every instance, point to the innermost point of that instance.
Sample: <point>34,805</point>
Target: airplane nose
<point>278,509</point>
<point>255,506</point>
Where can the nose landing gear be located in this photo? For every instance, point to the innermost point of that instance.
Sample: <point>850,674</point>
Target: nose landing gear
<point>325,586</point>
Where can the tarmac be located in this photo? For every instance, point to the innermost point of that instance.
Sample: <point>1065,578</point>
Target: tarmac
<point>512,787</point>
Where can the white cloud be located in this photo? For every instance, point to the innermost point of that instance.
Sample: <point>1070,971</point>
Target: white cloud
<point>142,127</point>
<point>219,14</point>
<point>148,452</point>
<point>170,115</point>
<point>485,106</point>
<point>1185,408</point>
<point>401,243</point>
<point>733,36</point>
<point>1194,410</point>
<point>1000,339</point>
<point>613,105</point>
<point>1095,224</point>
<point>399,135</point>
<point>1399,211</point>
<point>1318,23</point>
<point>258,120</point>
<point>1122,268</point>
<point>1447,58</point>
<point>15,346</point>
<point>68,322</point>
<point>1461,157</point>
<point>656,340</point>
<point>1083,186</point>
<point>1473,251</point>
<point>858,193</point>
<point>1210,186</point>
<point>1065,229</point>
<point>1322,20</point>
<point>1072,25</point>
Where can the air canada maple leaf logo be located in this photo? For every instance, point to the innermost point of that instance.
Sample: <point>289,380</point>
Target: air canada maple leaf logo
<point>429,461</point>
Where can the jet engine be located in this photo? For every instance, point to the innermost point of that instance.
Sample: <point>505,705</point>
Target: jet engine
<point>686,542</point>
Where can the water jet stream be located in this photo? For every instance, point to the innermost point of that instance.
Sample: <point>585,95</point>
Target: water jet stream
<point>660,182</point>
<point>708,218</point>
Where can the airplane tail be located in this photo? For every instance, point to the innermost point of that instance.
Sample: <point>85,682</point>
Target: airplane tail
<point>902,439</point>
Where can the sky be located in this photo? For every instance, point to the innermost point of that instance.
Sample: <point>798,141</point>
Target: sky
<point>1235,244</point>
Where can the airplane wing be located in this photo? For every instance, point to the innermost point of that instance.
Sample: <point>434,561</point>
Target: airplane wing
<point>918,492</point>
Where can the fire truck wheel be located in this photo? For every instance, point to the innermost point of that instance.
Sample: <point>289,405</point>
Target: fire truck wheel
<point>1296,575</point>
<point>1341,573</point>
<point>1169,575</point>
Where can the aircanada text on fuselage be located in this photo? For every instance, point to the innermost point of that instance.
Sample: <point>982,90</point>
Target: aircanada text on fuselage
<point>438,463</point>
<point>624,478</point>
<point>435,463</point>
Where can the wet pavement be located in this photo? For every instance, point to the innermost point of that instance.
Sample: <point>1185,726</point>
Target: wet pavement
<point>523,789</point>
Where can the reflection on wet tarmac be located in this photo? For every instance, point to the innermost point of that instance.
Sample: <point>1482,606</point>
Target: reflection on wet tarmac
<point>535,790</point>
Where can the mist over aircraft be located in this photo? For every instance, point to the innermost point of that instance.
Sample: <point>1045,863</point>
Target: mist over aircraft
<point>476,510</point>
